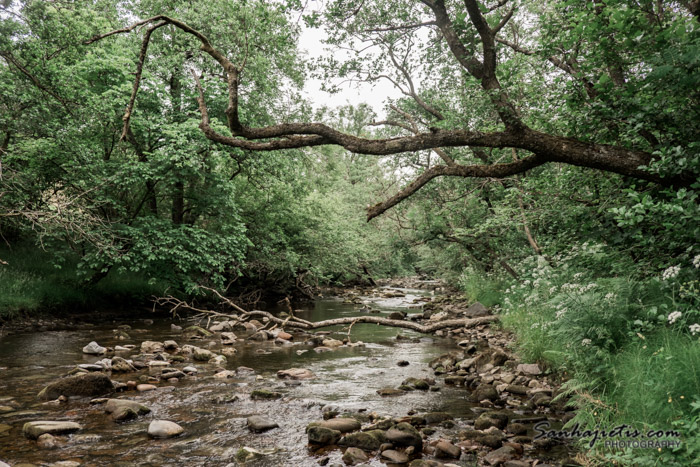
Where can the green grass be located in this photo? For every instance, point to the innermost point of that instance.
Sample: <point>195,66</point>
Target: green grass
<point>30,282</point>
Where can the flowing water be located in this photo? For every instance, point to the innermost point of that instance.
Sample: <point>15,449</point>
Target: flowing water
<point>214,419</point>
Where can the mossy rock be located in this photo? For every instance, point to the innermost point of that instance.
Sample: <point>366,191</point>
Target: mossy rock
<point>264,394</point>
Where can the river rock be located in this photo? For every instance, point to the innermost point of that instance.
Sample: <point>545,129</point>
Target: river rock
<point>91,367</point>
<point>416,383</point>
<point>228,338</point>
<point>446,450</point>
<point>46,441</point>
<point>225,374</point>
<point>152,347</point>
<point>202,355</point>
<point>284,335</point>
<point>323,436</point>
<point>170,345</point>
<point>296,373</point>
<point>390,392</point>
<point>33,430</point>
<point>120,365</point>
<point>436,417</point>
<point>190,370</point>
<point>198,331</point>
<point>218,360</point>
<point>146,387</point>
<point>342,424</point>
<point>476,310</point>
<point>93,348</point>
<point>91,384</point>
<point>362,440</point>
<point>259,424</point>
<point>264,394</point>
<point>404,434</point>
<point>332,343</point>
<point>489,419</point>
<point>485,392</point>
<point>164,429</point>
<point>221,327</point>
<point>354,456</point>
<point>500,455</point>
<point>123,409</point>
<point>396,457</point>
<point>532,369</point>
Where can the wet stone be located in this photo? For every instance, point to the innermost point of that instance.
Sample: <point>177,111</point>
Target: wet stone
<point>33,430</point>
<point>354,456</point>
<point>362,440</point>
<point>500,456</point>
<point>397,457</point>
<point>91,384</point>
<point>164,429</point>
<point>404,434</point>
<point>258,424</point>
<point>46,441</point>
<point>296,373</point>
<point>93,348</point>
<point>344,425</point>
<point>390,392</point>
<point>322,436</point>
<point>447,450</point>
<point>264,394</point>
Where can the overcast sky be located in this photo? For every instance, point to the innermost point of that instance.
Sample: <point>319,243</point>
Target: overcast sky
<point>353,93</point>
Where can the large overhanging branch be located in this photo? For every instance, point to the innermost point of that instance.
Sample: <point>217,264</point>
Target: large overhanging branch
<point>545,147</point>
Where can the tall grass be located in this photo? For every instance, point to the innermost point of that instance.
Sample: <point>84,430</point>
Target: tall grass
<point>31,282</point>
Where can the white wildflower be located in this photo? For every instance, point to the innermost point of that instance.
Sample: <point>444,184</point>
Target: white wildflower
<point>694,328</point>
<point>578,275</point>
<point>535,325</point>
<point>696,261</point>
<point>672,317</point>
<point>552,289</point>
<point>609,297</point>
<point>670,273</point>
<point>586,342</point>
<point>561,312</point>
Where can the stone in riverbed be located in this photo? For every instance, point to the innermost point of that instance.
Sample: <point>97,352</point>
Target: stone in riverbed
<point>228,338</point>
<point>146,387</point>
<point>446,450</point>
<point>170,345</point>
<point>202,355</point>
<point>93,348</point>
<point>354,456</point>
<point>91,384</point>
<point>485,392</point>
<point>489,419</point>
<point>390,392</point>
<point>362,440</point>
<point>152,347</point>
<point>396,457</point>
<point>404,434</point>
<point>532,369</point>
<point>476,310</point>
<point>332,343</point>
<point>46,441</point>
<point>343,424</point>
<point>164,429</point>
<point>123,409</point>
<point>296,373</point>
<point>323,436</point>
<point>500,456</point>
<point>258,424</point>
<point>264,394</point>
<point>120,365</point>
<point>33,430</point>
<point>416,383</point>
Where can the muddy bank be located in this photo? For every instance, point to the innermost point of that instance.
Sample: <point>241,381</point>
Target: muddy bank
<point>221,385</point>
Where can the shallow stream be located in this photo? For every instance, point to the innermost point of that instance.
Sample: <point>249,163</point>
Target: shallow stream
<point>215,423</point>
